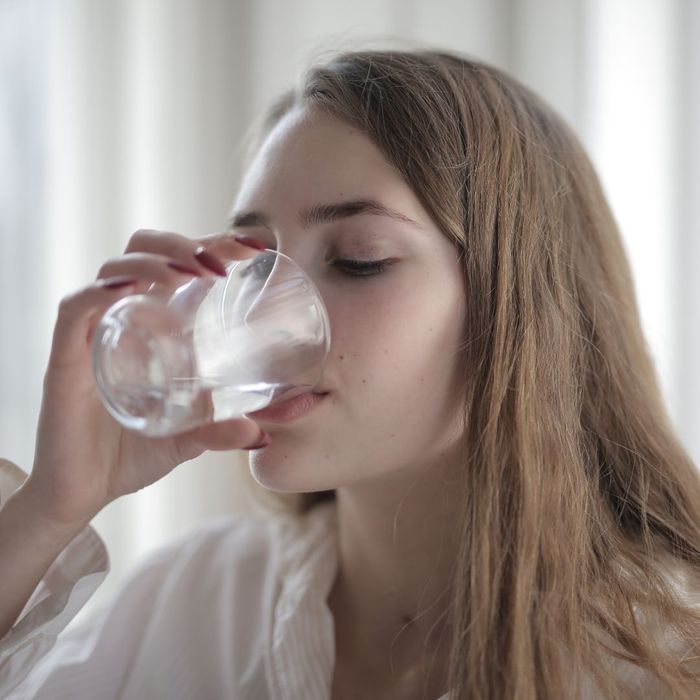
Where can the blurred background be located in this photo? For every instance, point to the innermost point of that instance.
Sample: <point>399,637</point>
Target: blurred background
<point>117,115</point>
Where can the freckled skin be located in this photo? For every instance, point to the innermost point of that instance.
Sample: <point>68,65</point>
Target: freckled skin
<point>392,368</point>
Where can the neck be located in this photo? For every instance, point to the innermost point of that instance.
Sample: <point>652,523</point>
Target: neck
<point>392,594</point>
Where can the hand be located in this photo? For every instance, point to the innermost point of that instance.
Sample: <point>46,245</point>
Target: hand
<point>84,459</point>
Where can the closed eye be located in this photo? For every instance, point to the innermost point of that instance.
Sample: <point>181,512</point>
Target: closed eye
<point>362,268</point>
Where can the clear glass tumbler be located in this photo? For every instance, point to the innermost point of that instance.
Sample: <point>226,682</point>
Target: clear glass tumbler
<point>213,348</point>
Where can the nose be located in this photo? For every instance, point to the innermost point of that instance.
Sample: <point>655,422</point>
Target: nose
<point>292,247</point>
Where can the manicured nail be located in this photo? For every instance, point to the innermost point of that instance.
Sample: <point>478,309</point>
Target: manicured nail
<point>250,242</point>
<point>183,268</point>
<point>117,282</point>
<point>263,441</point>
<point>209,261</point>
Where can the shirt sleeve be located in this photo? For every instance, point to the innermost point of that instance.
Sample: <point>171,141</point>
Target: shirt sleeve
<point>153,618</point>
<point>64,589</point>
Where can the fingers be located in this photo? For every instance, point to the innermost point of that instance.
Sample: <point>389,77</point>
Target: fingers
<point>151,267</point>
<point>227,246</point>
<point>77,313</point>
<point>165,257</point>
<point>203,254</point>
<point>150,257</point>
<point>233,434</point>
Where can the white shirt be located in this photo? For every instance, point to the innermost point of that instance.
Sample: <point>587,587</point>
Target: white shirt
<point>235,609</point>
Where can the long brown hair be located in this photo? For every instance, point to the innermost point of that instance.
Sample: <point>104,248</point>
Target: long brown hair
<point>581,509</point>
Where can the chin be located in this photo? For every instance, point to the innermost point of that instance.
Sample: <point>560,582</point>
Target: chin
<point>276,473</point>
<point>282,473</point>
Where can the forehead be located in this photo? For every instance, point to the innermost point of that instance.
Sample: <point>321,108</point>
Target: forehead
<point>312,157</point>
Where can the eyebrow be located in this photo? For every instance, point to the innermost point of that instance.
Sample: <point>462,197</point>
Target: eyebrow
<point>323,213</point>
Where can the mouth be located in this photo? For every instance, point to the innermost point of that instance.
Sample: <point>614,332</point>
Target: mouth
<point>289,410</point>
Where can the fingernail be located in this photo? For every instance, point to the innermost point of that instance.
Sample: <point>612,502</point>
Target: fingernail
<point>183,268</point>
<point>117,282</point>
<point>209,261</point>
<point>263,441</point>
<point>250,242</point>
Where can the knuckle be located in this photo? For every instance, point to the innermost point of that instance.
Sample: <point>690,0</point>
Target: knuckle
<point>143,233</point>
<point>106,266</point>
<point>66,304</point>
<point>138,237</point>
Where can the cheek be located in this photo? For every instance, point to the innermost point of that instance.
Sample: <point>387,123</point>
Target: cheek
<point>397,348</point>
<point>392,365</point>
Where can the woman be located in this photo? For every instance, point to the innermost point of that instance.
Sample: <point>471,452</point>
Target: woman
<point>490,499</point>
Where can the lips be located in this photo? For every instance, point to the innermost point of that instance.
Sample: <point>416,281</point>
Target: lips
<point>290,409</point>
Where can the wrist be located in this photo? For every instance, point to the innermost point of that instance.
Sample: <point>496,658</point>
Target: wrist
<point>23,510</point>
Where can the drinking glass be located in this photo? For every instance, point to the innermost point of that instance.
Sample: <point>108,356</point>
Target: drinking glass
<point>174,358</point>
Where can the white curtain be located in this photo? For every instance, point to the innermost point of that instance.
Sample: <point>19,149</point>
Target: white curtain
<point>119,115</point>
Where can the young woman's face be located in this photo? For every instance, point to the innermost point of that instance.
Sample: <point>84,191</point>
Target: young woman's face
<point>393,405</point>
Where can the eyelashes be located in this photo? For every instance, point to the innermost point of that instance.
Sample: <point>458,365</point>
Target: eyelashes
<point>362,268</point>
<point>355,268</point>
